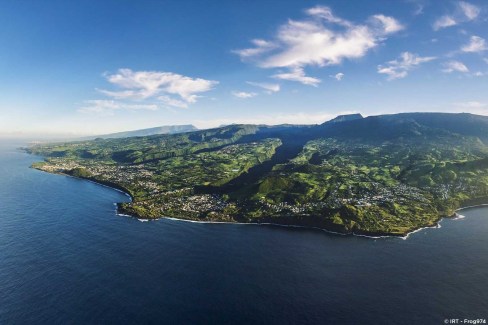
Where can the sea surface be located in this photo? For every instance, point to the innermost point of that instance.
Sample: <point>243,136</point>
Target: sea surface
<point>66,257</point>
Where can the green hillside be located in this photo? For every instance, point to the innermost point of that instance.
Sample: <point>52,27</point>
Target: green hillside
<point>387,174</point>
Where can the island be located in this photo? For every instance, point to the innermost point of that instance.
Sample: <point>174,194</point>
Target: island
<point>384,175</point>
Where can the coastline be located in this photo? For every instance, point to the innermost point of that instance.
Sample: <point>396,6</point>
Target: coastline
<point>106,184</point>
<point>371,236</point>
<point>378,235</point>
<point>472,206</point>
<point>436,225</point>
<point>404,237</point>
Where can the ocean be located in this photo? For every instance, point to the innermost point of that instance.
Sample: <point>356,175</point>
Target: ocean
<point>67,257</point>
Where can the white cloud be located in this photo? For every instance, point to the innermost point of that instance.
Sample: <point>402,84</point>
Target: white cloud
<point>338,76</point>
<point>321,39</point>
<point>243,94</point>
<point>469,10</point>
<point>325,13</point>
<point>139,90</point>
<point>261,46</point>
<point>269,87</point>
<point>103,106</point>
<point>139,85</point>
<point>390,25</point>
<point>173,102</point>
<point>455,66</point>
<point>297,74</point>
<point>464,12</point>
<point>476,44</point>
<point>399,68</point>
<point>443,22</point>
<point>310,43</point>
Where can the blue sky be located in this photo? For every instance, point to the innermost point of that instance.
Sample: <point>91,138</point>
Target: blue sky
<point>91,67</point>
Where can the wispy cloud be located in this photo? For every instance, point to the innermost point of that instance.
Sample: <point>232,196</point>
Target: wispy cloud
<point>400,67</point>
<point>419,10</point>
<point>297,74</point>
<point>274,119</point>
<point>473,107</point>
<point>321,39</point>
<point>463,13</point>
<point>419,6</point>
<point>268,87</point>
<point>107,107</point>
<point>173,102</point>
<point>469,10</point>
<point>444,22</point>
<point>139,85</point>
<point>388,25</point>
<point>243,94</point>
<point>326,14</point>
<point>455,66</point>
<point>338,76</point>
<point>473,104</point>
<point>476,44</point>
<point>261,46</point>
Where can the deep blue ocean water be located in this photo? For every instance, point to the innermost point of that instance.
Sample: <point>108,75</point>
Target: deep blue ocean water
<point>66,257</point>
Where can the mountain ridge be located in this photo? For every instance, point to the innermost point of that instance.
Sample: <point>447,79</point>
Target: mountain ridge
<point>164,129</point>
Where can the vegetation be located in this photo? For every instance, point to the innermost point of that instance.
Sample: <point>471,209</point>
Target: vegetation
<point>378,175</point>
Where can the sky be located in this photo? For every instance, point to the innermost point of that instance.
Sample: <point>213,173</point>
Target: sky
<point>87,67</point>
